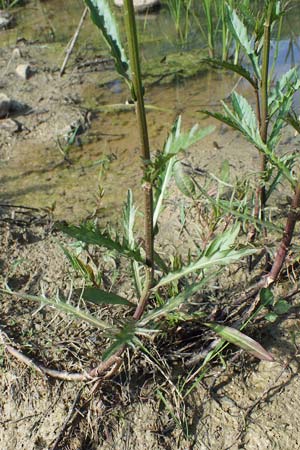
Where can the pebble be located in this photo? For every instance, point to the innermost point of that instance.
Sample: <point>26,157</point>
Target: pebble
<point>10,125</point>
<point>16,53</point>
<point>5,19</point>
<point>140,5</point>
<point>5,104</point>
<point>23,71</point>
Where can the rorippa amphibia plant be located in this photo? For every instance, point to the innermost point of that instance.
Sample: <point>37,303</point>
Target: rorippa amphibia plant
<point>151,275</point>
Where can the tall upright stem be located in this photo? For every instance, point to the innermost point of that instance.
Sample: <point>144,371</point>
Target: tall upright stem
<point>264,98</point>
<point>138,93</point>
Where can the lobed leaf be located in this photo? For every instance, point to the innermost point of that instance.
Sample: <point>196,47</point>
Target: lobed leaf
<point>239,31</point>
<point>285,86</point>
<point>236,68</point>
<point>176,142</point>
<point>65,307</point>
<point>243,119</point>
<point>86,233</point>
<point>218,253</point>
<point>222,258</point>
<point>104,19</point>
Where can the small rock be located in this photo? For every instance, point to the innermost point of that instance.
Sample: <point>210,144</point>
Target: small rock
<point>23,71</point>
<point>16,53</point>
<point>10,125</point>
<point>5,104</point>
<point>141,5</point>
<point>5,19</point>
<point>17,107</point>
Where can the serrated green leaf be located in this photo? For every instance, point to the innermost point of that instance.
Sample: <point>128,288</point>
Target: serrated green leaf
<point>77,264</point>
<point>218,253</point>
<point>222,118</point>
<point>65,307</point>
<point>91,235</point>
<point>222,258</point>
<point>239,31</point>
<point>104,19</point>
<point>100,297</point>
<point>223,240</point>
<point>177,141</point>
<point>243,341</point>
<point>236,68</point>
<point>184,183</point>
<point>125,336</point>
<point>281,104</point>
<point>244,111</point>
<point>243,119</point>
<point>129,213</point>
<point>284,87</point>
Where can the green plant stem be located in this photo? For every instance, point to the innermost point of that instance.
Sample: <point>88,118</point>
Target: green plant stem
<point>210,37</point>
<point>264,100</point>
<point>138,94</point>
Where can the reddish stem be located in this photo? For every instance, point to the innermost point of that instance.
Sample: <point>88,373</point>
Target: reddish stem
<point>292,218</point>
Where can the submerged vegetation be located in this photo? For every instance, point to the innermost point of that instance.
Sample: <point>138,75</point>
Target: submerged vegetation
<point>232,219</point>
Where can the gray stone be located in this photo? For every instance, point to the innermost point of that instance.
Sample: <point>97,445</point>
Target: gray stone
<point>23,71</point>
<point>140,5</point>
<point>5,19</point>
<point>5,104</point>
<point>10,125</point>
<point>18,108</point>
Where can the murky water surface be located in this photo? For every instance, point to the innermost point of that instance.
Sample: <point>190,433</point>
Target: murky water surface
<point>37,176</point>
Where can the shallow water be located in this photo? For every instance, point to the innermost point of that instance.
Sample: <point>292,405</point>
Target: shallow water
<point>34,173</point>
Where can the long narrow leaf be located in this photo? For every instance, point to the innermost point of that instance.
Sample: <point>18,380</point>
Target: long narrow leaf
<point>100,297</point>
<point>129,213</point>
<point>243,341</point>
<point>219,252</point>
<point>184,183</point>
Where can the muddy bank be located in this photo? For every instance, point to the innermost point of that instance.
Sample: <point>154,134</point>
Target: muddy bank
<point>69,141</point>
<point>244,404</point>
